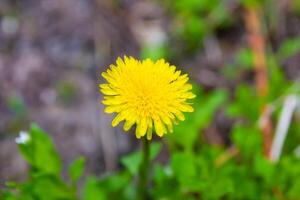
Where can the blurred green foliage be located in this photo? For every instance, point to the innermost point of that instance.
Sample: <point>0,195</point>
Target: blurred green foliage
<point>66,91</point>
<point>18,111</point>
<point>288,48</point>
<point>44,181</point>
<point>16,105</point>
<point>193,21</point>
<point>195,169</point>
<point>206,106</point>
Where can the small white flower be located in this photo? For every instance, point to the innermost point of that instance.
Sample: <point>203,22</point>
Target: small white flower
<point>23,138</point>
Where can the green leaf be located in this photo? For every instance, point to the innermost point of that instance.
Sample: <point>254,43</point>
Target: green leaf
<point>92,190</point>
<point>153,52</point>
<point>165,184</point>
<point>194,30</point>
<point>248,140</point>
<point>6,195</point>
<point>132,161</point>
<point>244,58</point>
<point>113,186</point>
<point>183,166</point>
<point>294,191</point>
<point>186,132</point>
<point>264,168</point>
<point>289,48</point>
<point>241,106</point>
<point>209,106</point>
<point>243,61</point>
<point>76,169</point>
<point>40,152</point>
<point>50,187</point>
<point>277,79</point>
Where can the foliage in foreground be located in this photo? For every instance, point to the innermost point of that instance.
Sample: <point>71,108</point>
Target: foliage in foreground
<point>195,171</point>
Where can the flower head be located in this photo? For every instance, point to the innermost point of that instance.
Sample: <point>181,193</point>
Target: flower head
<point>152,95</point>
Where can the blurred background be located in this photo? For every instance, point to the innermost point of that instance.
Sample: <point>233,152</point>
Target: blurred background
<point>53,51</point>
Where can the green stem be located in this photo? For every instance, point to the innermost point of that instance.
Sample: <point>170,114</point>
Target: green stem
<point>143,172</point>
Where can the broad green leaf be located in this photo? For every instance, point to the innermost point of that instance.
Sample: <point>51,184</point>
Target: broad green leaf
<point>248,140</point>
<point>115,183</point>
<point>50,187</point>
<point>92,190</point>
<point>40,152</point>
<point>183,166</point>
<point>264,168</point>
<point>76,169</point>
<point>111,186</point>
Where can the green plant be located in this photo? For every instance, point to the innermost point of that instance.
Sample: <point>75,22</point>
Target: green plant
<point>193,21</point>
<point>44,181</point>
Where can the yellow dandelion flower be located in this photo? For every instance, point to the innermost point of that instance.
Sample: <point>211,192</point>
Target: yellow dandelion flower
<point>152,95</point>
